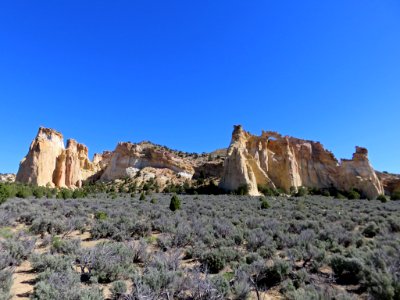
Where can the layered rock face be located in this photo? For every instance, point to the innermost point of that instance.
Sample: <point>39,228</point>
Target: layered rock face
<point>390,182</point>
<point>286,162</point>
<point>128,159</point>
<point>48,162</point>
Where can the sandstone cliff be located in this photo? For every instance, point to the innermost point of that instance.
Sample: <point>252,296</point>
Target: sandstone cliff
<point>128,159</point>
<point>286,162</point>
<point>48,162</point>
<point>390,182</point>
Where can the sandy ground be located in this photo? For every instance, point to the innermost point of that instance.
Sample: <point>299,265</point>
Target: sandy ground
<point>23,281</point>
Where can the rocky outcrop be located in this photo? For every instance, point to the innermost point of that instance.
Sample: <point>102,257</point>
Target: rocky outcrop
<point>287,163</point>
<point>8,177</point>
<point>358,173</point>
<point>39,165</point>
<point>128,159</point>
<point>390,182</point>
<point>49,163</point>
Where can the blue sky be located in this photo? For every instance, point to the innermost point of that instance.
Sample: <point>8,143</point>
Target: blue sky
<point>182,73</point>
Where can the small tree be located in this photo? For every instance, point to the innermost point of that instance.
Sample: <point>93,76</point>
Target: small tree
<point>142,196</point>
<point>175,203</point>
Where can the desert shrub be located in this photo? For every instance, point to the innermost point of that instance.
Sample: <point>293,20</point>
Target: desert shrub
<point>38,192</point>
<point>379,285</point>
<point>139,251</point>
<point>57,285</point>
<point>257,238</point>
<point>78,193</point>
<point>59,245</point>
<point>141,229</point>
<point>371,230</point>
<point>241,287</point>
<point>213,261</point>
<point>267,191</point>
<point>92,293</point>
<point>44,225</point>
<point>382,198</point>
<point>301,191</point>
<point>23,192</point>
<point>5,284</point>
<point>175,203</point>
<point>142,197</point>
<point>242,190</point>
<point>315,292</point>
<point>353,194</point>
<point>347,270</point>
<point>395,196</point>
<point>5,192</point>
<point>221,285</point>
<point>265,204</point>
<point>252,257</point>
<point>101,215</point>
<point>118,289</point>
<point>19,247</point>
<point>57,263</point>
<point>64,194</point>
<point>268,276</point>
<point>107,262</point>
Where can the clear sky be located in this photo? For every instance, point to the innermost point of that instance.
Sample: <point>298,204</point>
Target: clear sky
<point>182,73</point>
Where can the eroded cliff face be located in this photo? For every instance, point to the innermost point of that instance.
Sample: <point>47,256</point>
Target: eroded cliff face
<point>40,163</point>
<point>128,159</point>
<point>390,182</point>
<point>286,162</point>
<point>48,162</point>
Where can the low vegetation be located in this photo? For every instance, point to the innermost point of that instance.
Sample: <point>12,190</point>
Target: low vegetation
<point>169,246</point>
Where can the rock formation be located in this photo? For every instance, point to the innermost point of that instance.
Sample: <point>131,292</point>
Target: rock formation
<point>270,160</point>
<point>48,162</point>
<point>39,165</point>
<point>8,177</point>
<point>128,158</point>
<point>390,182</point>
<point>288,163</point>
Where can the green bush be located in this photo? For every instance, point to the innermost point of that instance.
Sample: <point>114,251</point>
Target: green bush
<point>371,230</point>
<point>24,192</point>
<point>353,195</point>
<point>78,193</point>
<point>301,191</point>
<point>118,289</point>
<point>382,198</point>
<point>142,196</point>
<point>265,204</point>
<point>347,269</point>
<point>242,190</point>
<point>101,215</point>
<point>175,203</point>
<point>213,261</point>
<point>64,194</point>
<point>267,191</point>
